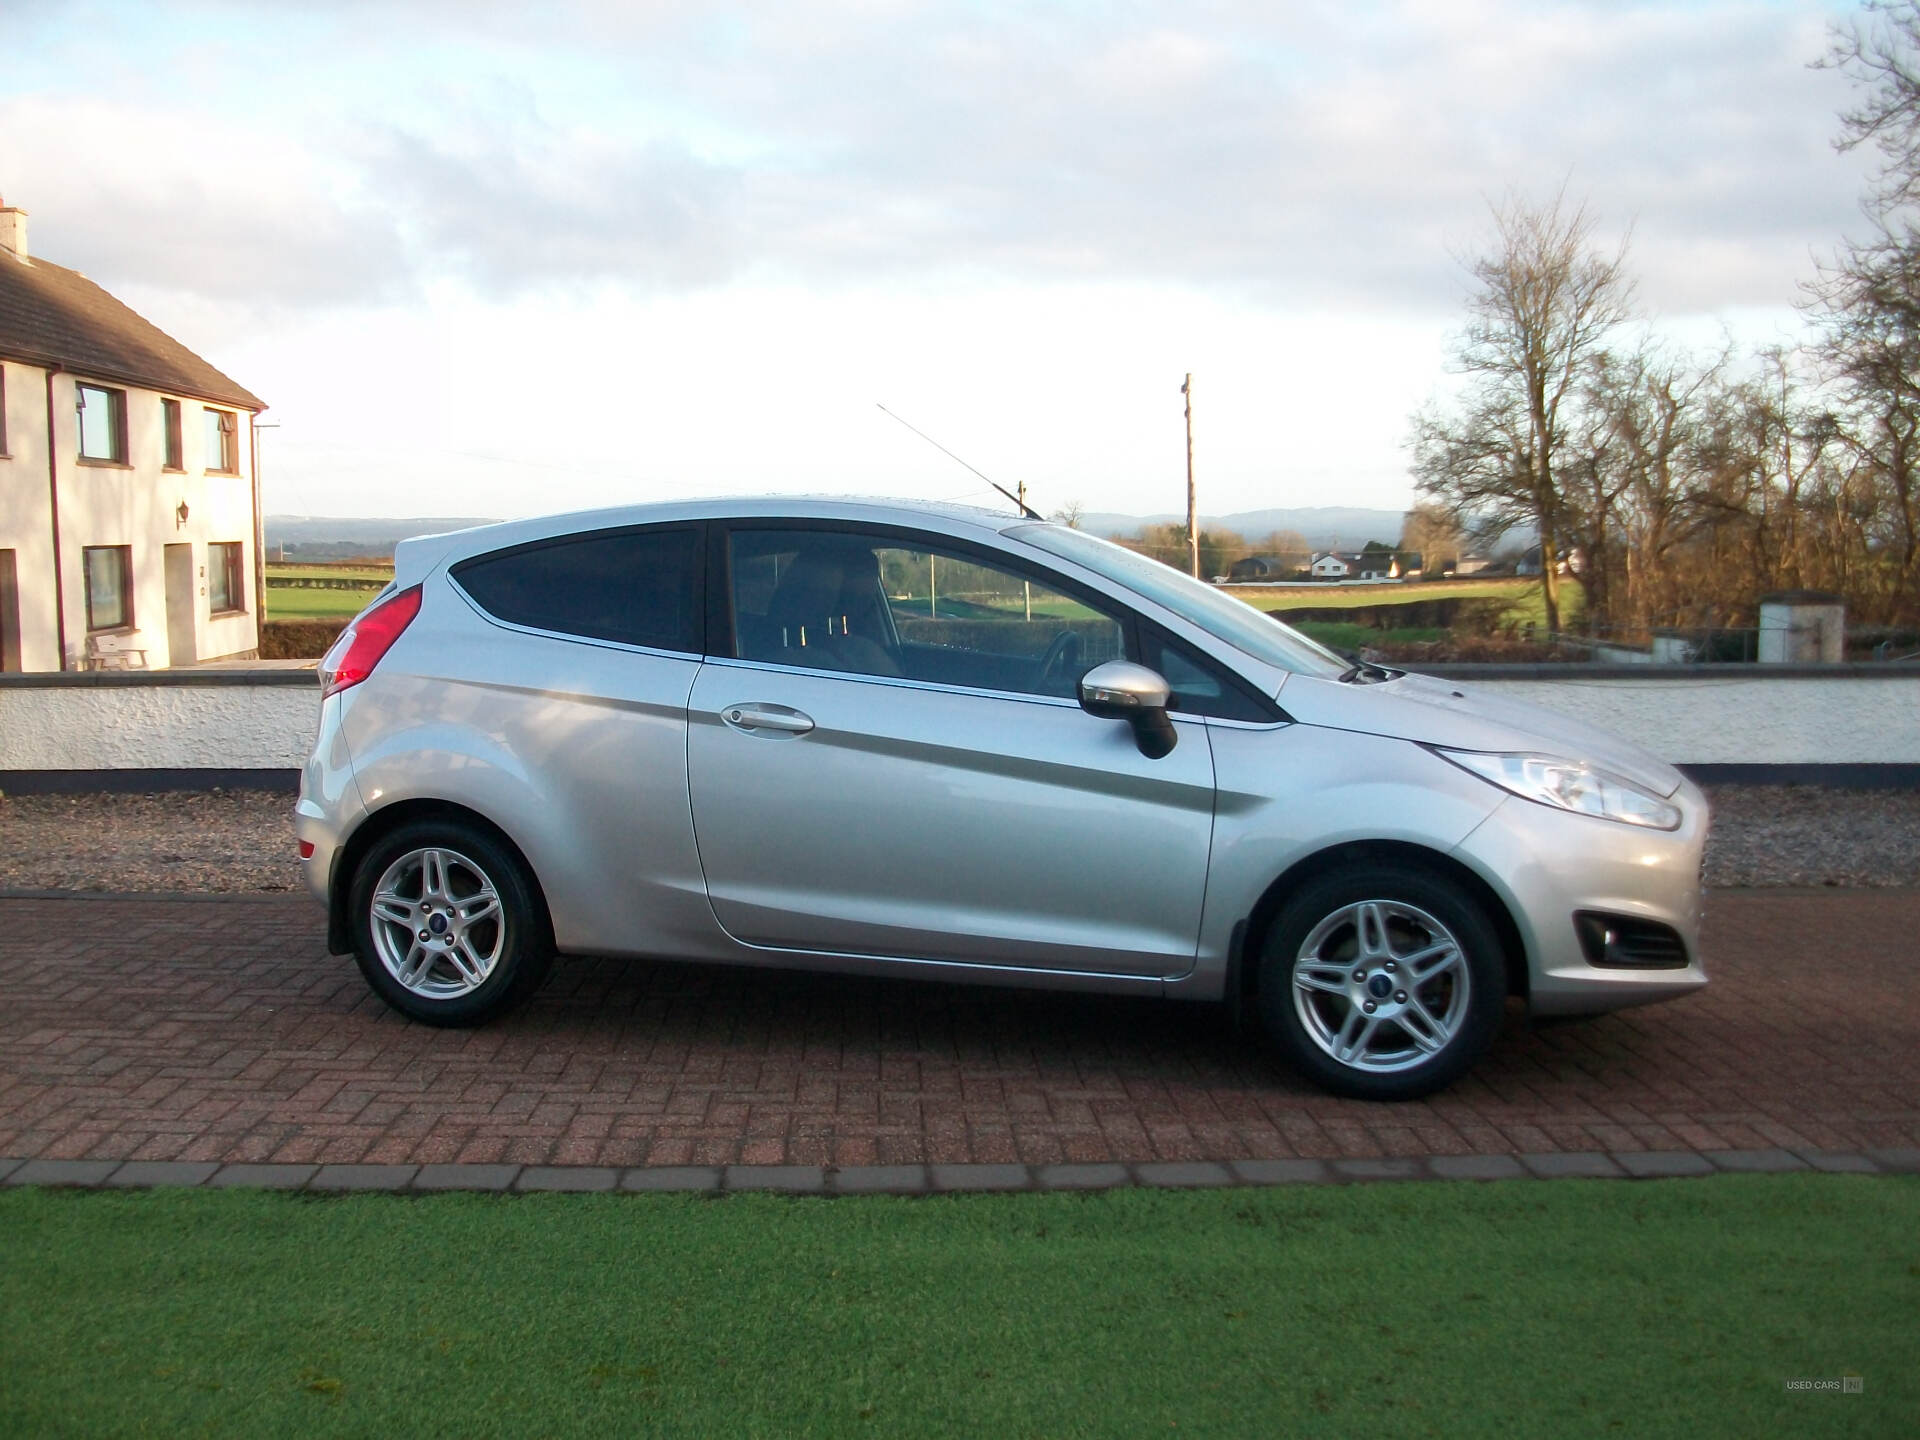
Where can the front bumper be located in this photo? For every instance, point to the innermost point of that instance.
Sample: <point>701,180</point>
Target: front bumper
<point>1547,864</point>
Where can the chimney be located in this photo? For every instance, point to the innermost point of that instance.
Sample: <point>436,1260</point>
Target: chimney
<point>13,230</point>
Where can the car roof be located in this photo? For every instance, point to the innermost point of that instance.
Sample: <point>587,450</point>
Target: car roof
<point>423,552</point>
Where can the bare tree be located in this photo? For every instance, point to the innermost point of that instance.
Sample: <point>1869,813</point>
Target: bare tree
<point>1070,514</point>
<point>1868,297</point>
<point>1878,54</point>
<point>1648,490</point>
<point>1544,303</point>
<point>1431,533</point>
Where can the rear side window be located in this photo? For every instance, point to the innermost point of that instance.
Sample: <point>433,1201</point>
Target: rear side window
<point>637,587</point>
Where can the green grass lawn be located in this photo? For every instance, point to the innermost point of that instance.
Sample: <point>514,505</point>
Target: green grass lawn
<point>1567,1308</point>
<point>285,602</point>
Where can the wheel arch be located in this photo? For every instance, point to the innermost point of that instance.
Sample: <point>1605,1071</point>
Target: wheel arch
<point>1360,852</point>
<point>382,823</point>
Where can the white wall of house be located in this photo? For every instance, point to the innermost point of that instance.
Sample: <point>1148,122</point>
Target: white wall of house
<point>1331,565</point>
<point>24,525</point>
<point>135,504</point>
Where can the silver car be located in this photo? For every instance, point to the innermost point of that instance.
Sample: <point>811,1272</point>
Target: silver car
<point>910,740</point>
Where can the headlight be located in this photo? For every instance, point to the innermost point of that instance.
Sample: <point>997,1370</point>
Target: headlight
<point>1569,785</point>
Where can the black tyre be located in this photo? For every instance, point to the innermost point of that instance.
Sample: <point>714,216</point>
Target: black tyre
<point>1385,982</point>
<point>447,926</point>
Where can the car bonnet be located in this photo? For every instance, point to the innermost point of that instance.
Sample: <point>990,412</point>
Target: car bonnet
<point>1430,711</point>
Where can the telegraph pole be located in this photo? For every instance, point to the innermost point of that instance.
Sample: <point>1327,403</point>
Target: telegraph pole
<point>1193,522</point>
<point>1026,586</point>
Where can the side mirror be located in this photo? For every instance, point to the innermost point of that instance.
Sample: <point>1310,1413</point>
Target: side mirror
<point>1121,690</point>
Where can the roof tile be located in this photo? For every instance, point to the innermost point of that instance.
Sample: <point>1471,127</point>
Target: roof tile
<point>50,315</point>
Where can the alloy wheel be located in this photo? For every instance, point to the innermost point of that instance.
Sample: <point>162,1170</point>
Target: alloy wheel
<point>437,923</point>
<point>1381,986</point>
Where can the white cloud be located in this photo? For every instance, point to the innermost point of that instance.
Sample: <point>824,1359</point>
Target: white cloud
<point>733,229</point>
<point>1286,155</point>
<point>163,197</point>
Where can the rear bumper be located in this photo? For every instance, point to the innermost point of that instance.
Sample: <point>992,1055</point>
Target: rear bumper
<point>326,814</point>
<point>1547,864</point>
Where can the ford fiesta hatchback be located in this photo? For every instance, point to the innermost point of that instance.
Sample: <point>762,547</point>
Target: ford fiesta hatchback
<point>910,740</point>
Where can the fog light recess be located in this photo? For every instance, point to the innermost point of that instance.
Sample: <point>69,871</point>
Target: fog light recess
<point>1626,942</point>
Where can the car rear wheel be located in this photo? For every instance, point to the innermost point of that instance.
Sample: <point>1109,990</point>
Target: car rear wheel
<point>447,928</point>
<point>1384,983</point>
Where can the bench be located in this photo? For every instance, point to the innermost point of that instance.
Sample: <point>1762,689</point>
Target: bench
<point>116,651</point>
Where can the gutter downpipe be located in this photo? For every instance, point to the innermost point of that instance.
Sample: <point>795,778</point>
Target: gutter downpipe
<point>53,501</point>
<point>259,536</point>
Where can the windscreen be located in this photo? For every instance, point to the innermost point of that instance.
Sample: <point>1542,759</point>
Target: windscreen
<point>1222,616</point>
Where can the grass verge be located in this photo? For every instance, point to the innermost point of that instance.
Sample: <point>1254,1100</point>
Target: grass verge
<point>1676,1308</point>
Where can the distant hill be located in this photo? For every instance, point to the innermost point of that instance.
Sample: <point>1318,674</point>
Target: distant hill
<point>1322,526</point>
<point>323,537</point>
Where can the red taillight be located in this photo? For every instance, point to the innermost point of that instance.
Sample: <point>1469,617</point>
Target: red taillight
<point>306,849</point>
<point>362,643</point>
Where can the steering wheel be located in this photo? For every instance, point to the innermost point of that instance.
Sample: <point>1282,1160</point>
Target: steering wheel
<point>1060,656</point>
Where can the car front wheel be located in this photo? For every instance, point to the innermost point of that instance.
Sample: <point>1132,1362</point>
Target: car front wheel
<point>447,928</point>
<point>1382,983</point>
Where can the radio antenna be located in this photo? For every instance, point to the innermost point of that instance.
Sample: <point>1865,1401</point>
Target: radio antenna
<point>1019,500</point>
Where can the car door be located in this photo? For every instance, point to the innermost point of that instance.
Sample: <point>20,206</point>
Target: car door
<point>891,762</point>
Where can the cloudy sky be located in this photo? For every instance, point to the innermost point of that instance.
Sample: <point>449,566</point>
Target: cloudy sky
<point>499,258</point>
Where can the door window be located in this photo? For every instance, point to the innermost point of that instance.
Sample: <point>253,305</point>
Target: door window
<point>1198,686</point>
<point>876,604</point>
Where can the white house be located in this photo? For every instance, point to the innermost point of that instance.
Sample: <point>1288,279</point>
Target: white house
<point>1329,566</point>
<point>129,512</point>
<point>1356,565</point>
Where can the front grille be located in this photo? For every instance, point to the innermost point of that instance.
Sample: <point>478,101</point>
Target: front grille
<point>1625,942</point>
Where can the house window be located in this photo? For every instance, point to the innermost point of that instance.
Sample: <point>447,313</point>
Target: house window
<point>223,442</point>
<point>170,423</point>
<point>226,583</point>
<point>109,570</point>
<point>103,424</point>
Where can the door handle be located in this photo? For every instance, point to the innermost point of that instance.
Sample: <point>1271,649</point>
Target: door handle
<point>751,717</point>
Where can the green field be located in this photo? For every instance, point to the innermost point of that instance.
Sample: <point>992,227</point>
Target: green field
<point>1565,1308</point>
<point>372,574</point>
<point>1347,637</point>
<point>1525,600</point>
<point>286,602</point>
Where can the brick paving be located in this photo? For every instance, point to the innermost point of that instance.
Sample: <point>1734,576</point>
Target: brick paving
<point>216,1030</point>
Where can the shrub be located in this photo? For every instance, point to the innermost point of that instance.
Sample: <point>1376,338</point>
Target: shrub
<point>298,639</point>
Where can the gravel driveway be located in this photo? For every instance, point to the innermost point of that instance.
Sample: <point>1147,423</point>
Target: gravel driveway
<point>242,840</point>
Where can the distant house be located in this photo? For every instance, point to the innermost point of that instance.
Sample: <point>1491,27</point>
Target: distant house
<point>129,516</point>
<point>1571,562</point>
<point>1329,566</point>
<point>1356,565</point>
<point>1261,567</point>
